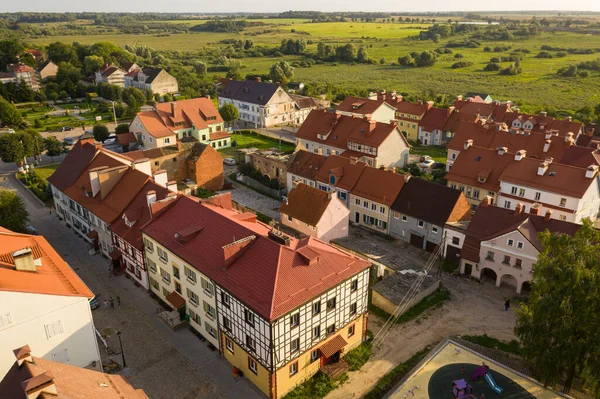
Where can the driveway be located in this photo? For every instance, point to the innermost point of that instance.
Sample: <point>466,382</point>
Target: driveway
<point>164,363</point>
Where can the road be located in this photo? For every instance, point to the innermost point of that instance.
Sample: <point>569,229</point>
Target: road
<point>166,364</point>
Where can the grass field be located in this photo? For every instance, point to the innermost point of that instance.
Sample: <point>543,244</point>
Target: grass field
<point>253,140</point>
<point>537,87</point>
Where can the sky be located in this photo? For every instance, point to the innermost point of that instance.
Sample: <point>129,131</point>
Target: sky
<point>200,6</point>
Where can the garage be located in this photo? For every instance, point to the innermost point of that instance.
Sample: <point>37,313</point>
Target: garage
<point>431,246</point>
<point>452,253</point>
<point>416,241</point>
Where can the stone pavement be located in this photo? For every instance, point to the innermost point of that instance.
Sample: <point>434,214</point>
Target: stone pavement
<point>255,200</point>
<point>166,364</point>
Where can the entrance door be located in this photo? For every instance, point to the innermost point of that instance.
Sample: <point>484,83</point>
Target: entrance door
<point>430,246</point>
<point>356,217</point>
<point>416,241</point>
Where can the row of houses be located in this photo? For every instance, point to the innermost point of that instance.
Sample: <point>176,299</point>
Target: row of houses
<point>278,308</point>
<point>155,80</point>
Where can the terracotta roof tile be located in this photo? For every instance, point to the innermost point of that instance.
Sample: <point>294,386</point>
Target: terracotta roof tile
<point>378,185</point>
<point>435,118</point>
<point>306,204</point>
<point>305,164</point>
<point>346,172</point>
<point>126,138</point>
<point>357,105</point>
<point>468,166</point>
<point>54,276</point>
<point>76,161</point>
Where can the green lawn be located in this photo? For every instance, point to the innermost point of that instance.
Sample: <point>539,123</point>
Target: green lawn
<point>253,140</point>
<point>39,185</point>
<point>438,153</point>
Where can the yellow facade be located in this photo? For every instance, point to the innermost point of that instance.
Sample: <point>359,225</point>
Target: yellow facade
<point>376,214</point>
<point>474,194</point>
<point>239,358</point>
<point>410,128</point>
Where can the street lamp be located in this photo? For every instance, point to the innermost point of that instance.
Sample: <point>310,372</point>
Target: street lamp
<point>114,113</point>
<point>121,344</point>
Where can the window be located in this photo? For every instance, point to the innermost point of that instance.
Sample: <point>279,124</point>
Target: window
<point>353,309</point>
<point>510,242</point>
<point>563,202</point>
<point>154,283</point>
<point>209,329</point>
<point>506,260</point>
<point>538,195</point>
<point>149,246</point>
<point>289,218</point>
<point>177,286</point>
<point>365,204</point>
<point>225,299</point>
<point>404,218</point>
<point>207,286</point>
<point>165,292</point>
<point>331,304</point>
<point>293,368</point>
<point>518,263</point>
<point>420,223</point>
<point>190,274</point>
<point>562,217</point>
<point>521,192</point>
<point>507,204</point>
<point>162,254</point>
<point>314,355</point>
<point>490,255</point>
<point>151,265</point>
<point>354,285</point>
<point>229,344</point>
<point>165,275</point>
<point>455,241</point>
<point>294,345</point>
<point>227,323</point>
<point>520,245</point>
<point>357,201</point>
<point>54,329</point>
<point>192,296</point>
<point>167,140</point>
<point>373,207</point>
<point>434,229</point>
<point>351,331</point>
<point>250,343</point>
<point>175,271</point>
<point>316,308</point>
<point>195,317</point>
<point>396,215</point>
<point>249,317</point>
<point>513,190</point>
<point>342,195</point>
<point>382,209</point>
<point>316,332</point>
<point>294,320</point>
<point>210,311</point>
<point>331,329</point>
<point>476,193</point>
<point>252,365</point>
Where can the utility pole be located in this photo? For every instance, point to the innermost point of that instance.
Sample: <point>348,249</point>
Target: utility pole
<point>121,344</point>
<point>115,114</point>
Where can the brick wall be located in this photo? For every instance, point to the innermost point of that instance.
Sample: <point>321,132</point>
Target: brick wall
<point>207,171</point>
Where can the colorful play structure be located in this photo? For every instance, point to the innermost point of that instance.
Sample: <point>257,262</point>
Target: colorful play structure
<point>484,371</point>
<point>461,389</point>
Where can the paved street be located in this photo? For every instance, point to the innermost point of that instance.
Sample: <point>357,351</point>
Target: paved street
<point>164,363</point>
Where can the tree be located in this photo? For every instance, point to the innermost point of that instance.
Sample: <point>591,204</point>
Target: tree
<point>122,128</point>
<point>134,98</point>
<point>9,52</point>
<point>281,72</point>
<point>362,55</point>
<point>61,52</point>
<point>13,214</point>
<point>558,327</point>
<point>67,77</point>
<point>92,63</point>
<point>346,53</point>
<point>24,93</point>
<point>9,115</point>
<point>35,143</point>
<point>100,132</point>
<point>229,112</point>
<point>201,68</point>
<point>53,147</point>
<point>12,149</point>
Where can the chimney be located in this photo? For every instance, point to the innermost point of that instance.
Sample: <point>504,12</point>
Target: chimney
<point>39,385</point>
<point>518,209</point>
<point>87,139</point>
<point>150,197</point>
<point>520,155</point>
<point>501,150</point>
<point>535,209</point>
<point>23,354</point>
<point>353,160</point>
<point>591,171</point>
<point>399,98</point>
<point>542,168</point>
<point>459,98</point>
<point>547,216</point>
<point>231,252</point>
<point>372,125</point>
<point>429,105</point>
<point>258,79</point>
<point>589,131</point>
<point>420,102</point>
<point>172,186</point>
<point>450,110</point>
<point>568,137</point>
<point>143,165</point>
<point>547,145</point>
<point>486,201</point>
<point>543,113</point>
<point>160,178</point>
<point>24,260</point>
<point>173,108</point>
<point>94,180</point>
<point>468,143</point>
<point>569,118</point>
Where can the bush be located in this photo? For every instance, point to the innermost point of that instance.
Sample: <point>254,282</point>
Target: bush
<point>544,54</point>
<point>495,59</point>
<point>458,55</point>
<point>100,132</point>
<point>492,66</point>
<point>568,71</point>
<point>583,74</point>
<point>122,128</point>
<point>561,54</point>
<point>461,64</point>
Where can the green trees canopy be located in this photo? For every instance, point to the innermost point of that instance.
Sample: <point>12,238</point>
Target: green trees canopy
<point>100,132</point>
<point>53,147</point>
<point>134,98</point>
<point>9,115</point>
<point>13,214</point>
<point>122,128</point>
<point>229,112</point>
<point>9,53</point>
<point>281,72</point>
<point>559,326</point>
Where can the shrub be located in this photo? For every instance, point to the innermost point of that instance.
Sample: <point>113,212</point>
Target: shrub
<point>544,54</point>
<point>122,128</point>
<point>487,49</point>
<point>583,74</point>
<point>461,64</point>
<point>495,59</point>
<point>458,55</point>
<point>561,54</point>
<point>492,66</point>
<point>568,71</point>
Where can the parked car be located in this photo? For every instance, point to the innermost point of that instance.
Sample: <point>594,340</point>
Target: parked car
<point>66,128</point>
<point>229,161</point>
<point>111,139</point>
<point>427,163</point>
<point>94,304</point>
<point>69,140</point>
<point>10,131</point>
<point>31,230</point>
<point>424,158</point>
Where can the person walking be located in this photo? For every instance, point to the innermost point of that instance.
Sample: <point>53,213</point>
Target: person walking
<point>235,373</point>
<point>105,303</point>
<point>507,304</point>
<point>112,302</point>
<point>118,300</point>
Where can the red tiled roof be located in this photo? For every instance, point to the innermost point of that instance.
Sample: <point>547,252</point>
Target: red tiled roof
<point>581,157</point>
<point>481,134</point>
<point>362,106</point>
<point>333,345</point>
<point>492,111</point>
<point>126,138</point>
<point>138,212</point>
<point>218,135</point>
<point>73,165</point>
<point>405,107</point>
<point>54,276</point>
<point>346,172</point>
<point>339,129</point>
<point>306,204</point>
<point>305,164</point>
<point>435,118</point>
<point>21,68</point>
<point>559,178</point>
<point>379,185</point>
<point>476,162</point>
<point>71,382</point>
<point>272,279</point>
<point>175,299</point>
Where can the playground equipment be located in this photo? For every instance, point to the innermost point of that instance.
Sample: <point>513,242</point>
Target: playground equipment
<point>461,389</point>
<point>484,371</point>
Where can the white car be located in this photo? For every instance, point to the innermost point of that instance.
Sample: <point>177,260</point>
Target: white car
<point>110,140</point>
<point>427,163</point>
<point>229,161</point>
<point>11,130</point>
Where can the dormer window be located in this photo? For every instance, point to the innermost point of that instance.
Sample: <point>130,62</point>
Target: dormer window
<point>332,179</point>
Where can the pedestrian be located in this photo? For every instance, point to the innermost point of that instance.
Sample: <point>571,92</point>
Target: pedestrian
<point>112,302</point>
<point>235,373</point>
<point>106,304</point>
<point>462,371</point>
<point>118,300</point>
<point>507,304</point>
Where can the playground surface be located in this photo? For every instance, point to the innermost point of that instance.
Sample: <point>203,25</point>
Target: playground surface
<point>434,379</point>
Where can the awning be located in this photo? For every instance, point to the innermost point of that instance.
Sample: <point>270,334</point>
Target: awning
<point>92,234</point>
<point>115,254</point>
<point>175,299</point>
<point>333,345</point>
